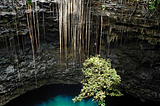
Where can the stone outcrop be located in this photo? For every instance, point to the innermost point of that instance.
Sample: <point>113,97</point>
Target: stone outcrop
<point>136,58</point>
<point>133,48</point>
<point>17,74</point>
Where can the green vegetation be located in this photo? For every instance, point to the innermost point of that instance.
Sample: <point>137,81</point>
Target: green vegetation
<point>152,4</point>
<point>29,2</point>
<point>6,60</point>
<point>5,20</point>
<point>9,61</point>
<point>100,80</point>
<point>103,7</point>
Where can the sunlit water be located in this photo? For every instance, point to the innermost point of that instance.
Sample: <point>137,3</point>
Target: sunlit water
<point>62,95</point>
<point>63,100</point>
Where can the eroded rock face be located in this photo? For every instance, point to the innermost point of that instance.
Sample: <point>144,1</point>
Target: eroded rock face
<point>133,47</point>
<point>133,50</point>
<point>17,77</point>
<point>137,62</point>
<point>17,72</point>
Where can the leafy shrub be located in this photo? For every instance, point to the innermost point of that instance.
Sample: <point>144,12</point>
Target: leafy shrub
<point>100,80</point>
<point>29,2</point>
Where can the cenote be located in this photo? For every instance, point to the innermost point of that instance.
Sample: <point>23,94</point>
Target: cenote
<point>52,95</point>
<point>43,47</point>
<point>62,95</point>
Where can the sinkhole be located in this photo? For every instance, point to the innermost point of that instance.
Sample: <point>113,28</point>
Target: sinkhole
<point>62,95</point>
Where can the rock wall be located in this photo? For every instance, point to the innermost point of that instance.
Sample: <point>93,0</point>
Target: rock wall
<point>17,73</point>
<point>133,48</point>
<point>135,59</point>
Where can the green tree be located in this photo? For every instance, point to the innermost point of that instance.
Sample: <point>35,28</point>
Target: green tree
<point>29,2</point>
<point>153,4</point>
<point>100,80</point>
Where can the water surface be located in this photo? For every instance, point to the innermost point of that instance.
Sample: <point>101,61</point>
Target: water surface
<point>62,94</point>
<point>64,100</point>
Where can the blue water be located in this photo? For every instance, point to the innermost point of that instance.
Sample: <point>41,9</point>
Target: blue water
<point>62,95</point>
<point>63,100</point>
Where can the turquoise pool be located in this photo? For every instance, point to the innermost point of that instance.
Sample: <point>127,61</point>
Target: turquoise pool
<point>62,94</point>
<point>64,100</point>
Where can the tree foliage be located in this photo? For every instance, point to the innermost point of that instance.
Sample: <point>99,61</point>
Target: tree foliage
<point>152,4</point>
<point>29,2</point>
<point>100,80</point>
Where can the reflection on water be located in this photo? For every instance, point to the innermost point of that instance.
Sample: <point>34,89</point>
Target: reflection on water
<point>64,100</point>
